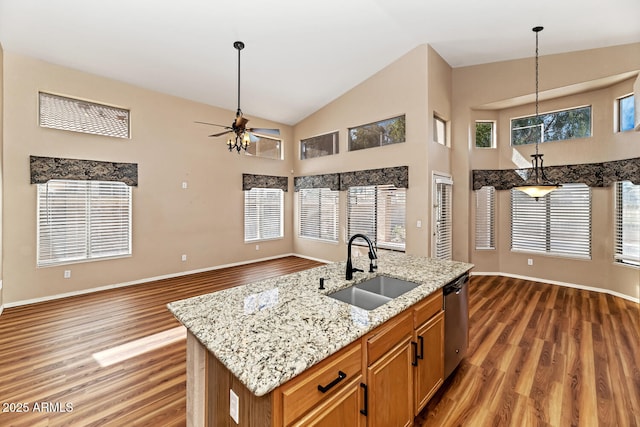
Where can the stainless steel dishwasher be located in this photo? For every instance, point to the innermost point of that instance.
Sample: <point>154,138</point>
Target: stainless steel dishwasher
<point>456,323</point>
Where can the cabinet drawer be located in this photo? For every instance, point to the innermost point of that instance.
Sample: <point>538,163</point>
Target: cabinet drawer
<point>302,393</point>
<point>427,308</point>
<point>387,336</point>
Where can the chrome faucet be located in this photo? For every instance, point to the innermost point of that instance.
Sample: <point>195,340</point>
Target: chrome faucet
<point>372,256</point>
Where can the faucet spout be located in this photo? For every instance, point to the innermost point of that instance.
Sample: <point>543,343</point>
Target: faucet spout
<point>372,256</point>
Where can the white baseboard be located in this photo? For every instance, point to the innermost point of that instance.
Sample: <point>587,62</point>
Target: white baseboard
<point>137,282</point>
<point>555,282</point>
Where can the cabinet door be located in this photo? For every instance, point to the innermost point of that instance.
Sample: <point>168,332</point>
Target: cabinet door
<point>341,410</point>
<point>390,388</point>
<point>430,370</point>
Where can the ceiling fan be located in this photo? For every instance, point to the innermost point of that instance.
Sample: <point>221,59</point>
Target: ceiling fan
<point>239,125</point>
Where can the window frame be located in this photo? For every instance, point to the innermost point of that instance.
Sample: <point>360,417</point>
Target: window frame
<point>317,196</point>
<point>494,138</point>
<point>376,227</point>
<point>254,145</point>
<point>440,123</point>
<point>541,139</point>
<point>547,221</point>
<point>257,196</point>
<point>77,210</point>
<point>619,113</point>
<point>335,149</point>
<point>379,123</point>
<point>620,255</point>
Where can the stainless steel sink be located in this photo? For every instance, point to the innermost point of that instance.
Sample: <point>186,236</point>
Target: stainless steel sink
<point>373,293</point>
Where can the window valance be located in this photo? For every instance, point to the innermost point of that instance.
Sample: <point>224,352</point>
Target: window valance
<point>44,169</point>
<point>397,176</point>
<point>329,180</point>
<point>250,181</point>
<point>592,174</point>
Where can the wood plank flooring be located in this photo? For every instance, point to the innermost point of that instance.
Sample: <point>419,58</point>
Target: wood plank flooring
<point>540,355</point>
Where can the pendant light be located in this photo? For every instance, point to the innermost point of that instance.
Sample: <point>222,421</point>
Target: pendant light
<point>541,185</point>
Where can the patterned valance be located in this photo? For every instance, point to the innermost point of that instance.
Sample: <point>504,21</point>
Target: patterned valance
<point>44,169</point>
<point>396,176</point>
<point>250,181</point>
<point>329,180</point>
<point>591,174</point>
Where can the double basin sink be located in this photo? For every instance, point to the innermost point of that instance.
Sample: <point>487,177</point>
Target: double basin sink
<point>375,292</point>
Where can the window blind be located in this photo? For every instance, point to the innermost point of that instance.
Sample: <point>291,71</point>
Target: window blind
<point>378,211</point>
<point>627,223</point>
<point>318,213</point>
<point>443,245</point>
<point>263,214</point>
<point>558,223</point>
<point>82,220</point>
<point>485,218</point>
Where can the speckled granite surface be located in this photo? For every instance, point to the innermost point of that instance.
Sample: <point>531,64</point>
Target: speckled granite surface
<point>268,332</point>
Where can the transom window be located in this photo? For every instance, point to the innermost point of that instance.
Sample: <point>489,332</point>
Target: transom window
<point>485,134</point>
<point>318,146</point>
<point>265,147</point>
<point>378,134</point>
<point>557,224</point>
<point>263,214</point>
<point>318,213</point>
<point>626,113</point>
<point>554,126</point>
<point>439,130</point>
<point>82,220</point>
<point>378,211</point>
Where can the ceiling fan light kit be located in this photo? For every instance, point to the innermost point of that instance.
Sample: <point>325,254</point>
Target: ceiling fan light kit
<point>542,185</point>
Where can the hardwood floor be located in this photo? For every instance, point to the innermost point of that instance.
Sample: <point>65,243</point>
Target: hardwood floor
<point>540,355</point>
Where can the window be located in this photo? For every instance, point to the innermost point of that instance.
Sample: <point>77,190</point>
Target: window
<point>439,130</point>
<point>443,215</point>
<point>59,112</point>
<point>265,147</point>
<point>318,146</point>
<point>555,126</point>
<point>485,134</point>
<point>485,218</point>
<point>558,223</point>
<point>626,113</point>
<point>263,214</point>
<point>385,132</point>
<point>627,232</point>
<point>83,220</point>
<point>378,212</point>
<point>318,213</point>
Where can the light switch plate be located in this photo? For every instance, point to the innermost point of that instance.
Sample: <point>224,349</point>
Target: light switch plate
<point>234,406</point>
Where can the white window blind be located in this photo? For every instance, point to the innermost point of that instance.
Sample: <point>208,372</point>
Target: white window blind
<point>558,223</point>
<point>82,220</point>
<point>263,214</point>
<point>627,231</point>
<point>379,213</point>
<point>318,213</point>
<point>485,218</point>
<point>443,245</point>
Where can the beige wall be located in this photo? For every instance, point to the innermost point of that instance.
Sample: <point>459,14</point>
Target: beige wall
<point>595,77</point>
<point>400,88</point>
<point>205,221</point>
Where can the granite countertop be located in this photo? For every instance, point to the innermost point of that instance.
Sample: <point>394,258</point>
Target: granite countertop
<point>268,332</point>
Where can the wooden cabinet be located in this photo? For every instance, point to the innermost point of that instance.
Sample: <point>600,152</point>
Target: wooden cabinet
<point>341,409</point>
<point>429,338</point>
<point>389,373</point>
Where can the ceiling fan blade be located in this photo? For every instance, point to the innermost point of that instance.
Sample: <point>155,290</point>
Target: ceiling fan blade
<point>220,134</point>
<point>213,124</point>
<point>265,130</point>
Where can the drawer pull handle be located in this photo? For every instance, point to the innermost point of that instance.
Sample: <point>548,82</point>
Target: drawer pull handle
<point>326,388</point>
<point>366,400</point>
<point>421,354</point>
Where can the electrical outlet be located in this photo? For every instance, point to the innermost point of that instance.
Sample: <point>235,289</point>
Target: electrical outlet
<point>419,224</point>
<point>234,406</point>
<point>257,247</point>
<point>185,185</point>
<point>67,274</point>
<point>530,261</point>
<point>184,257</point>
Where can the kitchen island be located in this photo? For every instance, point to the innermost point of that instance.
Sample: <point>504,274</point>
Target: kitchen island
<point>265,334</point>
